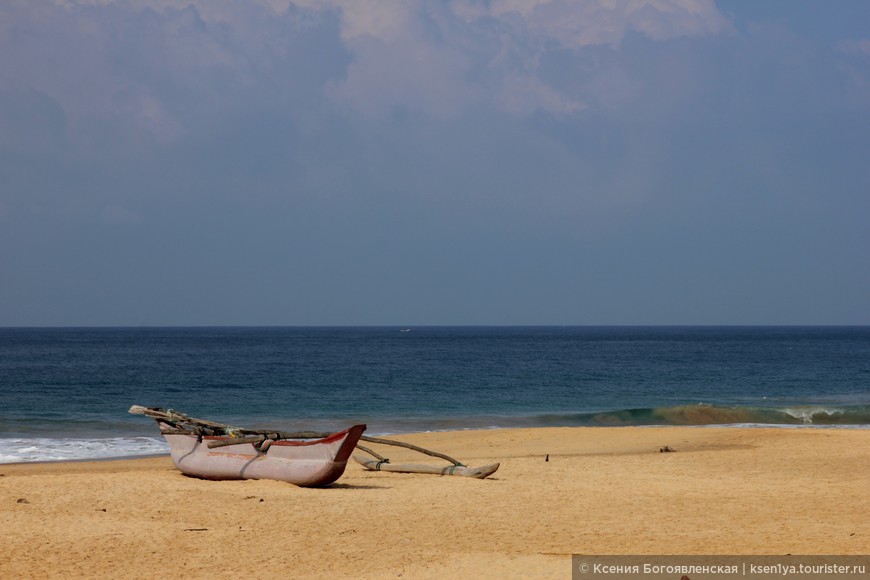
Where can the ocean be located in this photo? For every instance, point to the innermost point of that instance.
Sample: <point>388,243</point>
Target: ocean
<point>65,392</point>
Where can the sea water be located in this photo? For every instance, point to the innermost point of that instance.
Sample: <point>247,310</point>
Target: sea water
<point>64,393</point>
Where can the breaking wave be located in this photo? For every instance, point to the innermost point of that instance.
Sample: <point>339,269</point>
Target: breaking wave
<point>26,450</point>
<point>704,414</point>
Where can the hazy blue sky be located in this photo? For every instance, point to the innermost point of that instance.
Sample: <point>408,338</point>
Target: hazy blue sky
<point>434,162</point>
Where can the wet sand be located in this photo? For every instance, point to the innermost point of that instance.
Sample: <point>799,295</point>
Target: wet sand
<point>603,491</point>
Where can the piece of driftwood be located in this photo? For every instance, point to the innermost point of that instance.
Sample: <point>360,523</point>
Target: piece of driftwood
<point>460,470</point>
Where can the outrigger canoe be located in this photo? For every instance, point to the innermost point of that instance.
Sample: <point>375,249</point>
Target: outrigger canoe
<point>213,451</point>
<point>309,459</point>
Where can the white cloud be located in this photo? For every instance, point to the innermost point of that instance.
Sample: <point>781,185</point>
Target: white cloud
<point>153,65</point>
<point>524,94</point>
<point>387,20</point>
<point>421,55</point>
<point>144,68</point>
<point>403,56</point>
<point>575,24</point>
<point>861,47</point>
<point>856,72</point>
<point>148,113</point>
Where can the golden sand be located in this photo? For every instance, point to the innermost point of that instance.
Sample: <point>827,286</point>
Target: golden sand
<point>603,491</point>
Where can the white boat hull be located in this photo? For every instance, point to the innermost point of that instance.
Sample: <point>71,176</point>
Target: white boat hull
<point>306,463</point>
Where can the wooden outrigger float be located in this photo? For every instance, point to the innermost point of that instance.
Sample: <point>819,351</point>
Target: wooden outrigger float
<point>475,472</point>
<point>306,458</point>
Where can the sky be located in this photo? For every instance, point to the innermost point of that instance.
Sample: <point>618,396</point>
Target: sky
<point>414,162</point>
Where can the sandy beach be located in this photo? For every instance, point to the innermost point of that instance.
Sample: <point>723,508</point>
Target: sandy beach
<point>603,491</point>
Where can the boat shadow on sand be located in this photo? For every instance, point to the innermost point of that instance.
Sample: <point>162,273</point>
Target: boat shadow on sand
<point>353,486</point>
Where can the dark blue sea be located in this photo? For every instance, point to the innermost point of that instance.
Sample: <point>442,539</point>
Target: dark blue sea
<point>64,393</point>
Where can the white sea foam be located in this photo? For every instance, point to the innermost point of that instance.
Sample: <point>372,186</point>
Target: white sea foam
<point>807,414</point>
<point>775,426</point>
<point>19,450</point>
